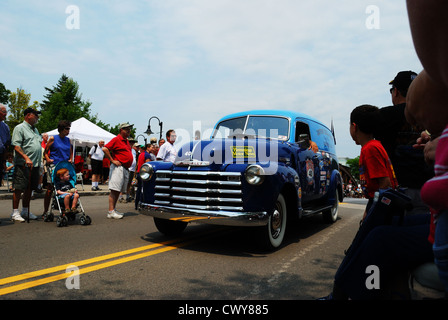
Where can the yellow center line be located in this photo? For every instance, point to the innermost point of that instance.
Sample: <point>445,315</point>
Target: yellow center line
<point>65,275</point>
<point>166,247</point>
<point>78,263</point>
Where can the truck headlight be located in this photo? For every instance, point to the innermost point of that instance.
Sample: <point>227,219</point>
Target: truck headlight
<point>146,171</point>
<point>254,174</point>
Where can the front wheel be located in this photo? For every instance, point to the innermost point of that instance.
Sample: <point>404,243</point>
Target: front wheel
<point>275,231</point>
<point>169,227</point>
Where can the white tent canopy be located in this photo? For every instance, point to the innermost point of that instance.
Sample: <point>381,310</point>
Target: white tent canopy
<point>84,133</point>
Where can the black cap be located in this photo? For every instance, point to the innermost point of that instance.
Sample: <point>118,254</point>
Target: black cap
<point>403,80</point>
<point>31,110</point>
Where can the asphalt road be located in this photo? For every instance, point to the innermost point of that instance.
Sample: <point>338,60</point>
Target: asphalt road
<point>129,259</point>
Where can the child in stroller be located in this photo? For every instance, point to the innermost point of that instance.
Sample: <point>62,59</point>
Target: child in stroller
<point>63,176</point>
<point>65,191</point>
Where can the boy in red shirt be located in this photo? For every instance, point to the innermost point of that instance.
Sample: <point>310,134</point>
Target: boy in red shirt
<point>375,169</point>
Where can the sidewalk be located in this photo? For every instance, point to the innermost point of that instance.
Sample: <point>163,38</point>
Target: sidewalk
<point>5,194</point>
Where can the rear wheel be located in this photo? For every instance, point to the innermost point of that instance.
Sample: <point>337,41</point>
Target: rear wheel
<point>331,215</point>
<point>275,231</point>
<point>169,227</point>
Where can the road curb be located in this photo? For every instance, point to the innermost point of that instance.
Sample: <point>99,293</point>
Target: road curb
<point>5,195</point>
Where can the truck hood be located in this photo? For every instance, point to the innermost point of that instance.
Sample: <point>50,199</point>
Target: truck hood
<point>218,152</point>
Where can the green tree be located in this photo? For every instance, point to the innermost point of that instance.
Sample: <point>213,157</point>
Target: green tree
<point>353,164</point>
<point>62,102</point>
<point>18,102</point>
<point>4,94</point>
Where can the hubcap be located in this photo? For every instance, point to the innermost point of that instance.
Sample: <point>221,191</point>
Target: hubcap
<point>276,223</point>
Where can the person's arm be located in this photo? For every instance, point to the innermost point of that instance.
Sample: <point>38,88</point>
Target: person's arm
<point>71,160</point>
<point>28,161</point>
<point>384,183</point>
<point>161,153</point>
<point>107,154</point>
<point>47,149</point>
<point>10,167</point>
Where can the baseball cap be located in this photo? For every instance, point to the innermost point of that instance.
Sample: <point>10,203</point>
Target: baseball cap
<point>403,80</point>
<point>31,110</point>
<point>125,125</point>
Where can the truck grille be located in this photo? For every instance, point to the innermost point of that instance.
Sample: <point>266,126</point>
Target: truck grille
<point>202,190</point>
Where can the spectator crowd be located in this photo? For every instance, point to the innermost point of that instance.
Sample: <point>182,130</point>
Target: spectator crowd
<point>27,159</point>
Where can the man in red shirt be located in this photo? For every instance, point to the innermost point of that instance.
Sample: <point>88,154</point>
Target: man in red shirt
<point>118,151</point>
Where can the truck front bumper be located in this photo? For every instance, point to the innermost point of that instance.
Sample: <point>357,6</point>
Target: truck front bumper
<point>227,218</point>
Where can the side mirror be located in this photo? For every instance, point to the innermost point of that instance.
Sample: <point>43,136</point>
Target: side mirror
<point>304,141</point>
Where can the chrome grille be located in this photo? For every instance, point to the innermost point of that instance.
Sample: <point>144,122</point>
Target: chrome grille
<point>203,190</point>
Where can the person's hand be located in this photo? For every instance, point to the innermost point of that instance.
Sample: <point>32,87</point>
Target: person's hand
<point>429,146</point>
<point>430,151</point>
<point>116,162</point>
<point>28,162</point>
<point>425,137</point>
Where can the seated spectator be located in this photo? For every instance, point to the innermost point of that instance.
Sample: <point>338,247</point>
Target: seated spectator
<point>66,191</point>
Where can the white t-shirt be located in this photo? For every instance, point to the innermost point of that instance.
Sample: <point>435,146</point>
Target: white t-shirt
<point>167,152</point>
<point>97,154</point>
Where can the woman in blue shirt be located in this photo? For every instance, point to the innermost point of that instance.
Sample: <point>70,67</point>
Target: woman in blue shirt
<point>58,149</point>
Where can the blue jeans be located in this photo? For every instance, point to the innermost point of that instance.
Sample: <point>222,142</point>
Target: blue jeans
<point>440,248</point>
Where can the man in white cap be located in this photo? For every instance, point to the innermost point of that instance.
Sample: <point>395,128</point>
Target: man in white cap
<point>120,161</point>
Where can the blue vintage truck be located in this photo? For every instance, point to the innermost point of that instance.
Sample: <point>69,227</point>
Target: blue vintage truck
<point>259,168</point>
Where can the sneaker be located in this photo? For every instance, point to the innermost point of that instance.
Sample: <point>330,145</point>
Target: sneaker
<point>114,215</point>
<point>24,214</point>
<point>16,217</point>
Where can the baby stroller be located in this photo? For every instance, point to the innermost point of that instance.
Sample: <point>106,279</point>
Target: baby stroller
<point>57,203</point>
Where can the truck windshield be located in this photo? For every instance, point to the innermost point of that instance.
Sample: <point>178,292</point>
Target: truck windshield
<point>253,126</point>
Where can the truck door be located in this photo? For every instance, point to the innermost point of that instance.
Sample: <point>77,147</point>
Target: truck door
<point>307,163</point>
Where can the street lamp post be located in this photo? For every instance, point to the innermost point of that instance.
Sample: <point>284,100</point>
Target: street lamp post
<point>149,131</point>
<point>136,138</point>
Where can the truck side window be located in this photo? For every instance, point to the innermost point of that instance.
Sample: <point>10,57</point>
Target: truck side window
<point>302,128</point>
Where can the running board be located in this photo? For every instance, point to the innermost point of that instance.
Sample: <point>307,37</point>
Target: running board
<point>309,212</point>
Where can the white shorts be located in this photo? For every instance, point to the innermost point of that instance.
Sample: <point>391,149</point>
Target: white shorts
<point>118,178</point>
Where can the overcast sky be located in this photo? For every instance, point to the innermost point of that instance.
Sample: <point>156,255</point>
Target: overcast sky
<point>186,61</point>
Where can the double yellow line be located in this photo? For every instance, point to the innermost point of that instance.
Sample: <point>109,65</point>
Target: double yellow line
<point>126,256</point>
